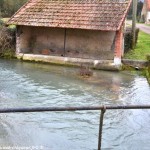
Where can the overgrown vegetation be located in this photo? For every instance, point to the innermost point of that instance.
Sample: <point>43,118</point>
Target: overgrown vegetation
<point>7,41</point>
<point>128,39</point>
<point>9,7</point>
<point>142,49</point>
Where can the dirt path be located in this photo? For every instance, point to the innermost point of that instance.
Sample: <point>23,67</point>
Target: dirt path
<point>142,27</point>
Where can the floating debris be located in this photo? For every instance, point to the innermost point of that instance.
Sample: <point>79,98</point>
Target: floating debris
<point>85,71</point>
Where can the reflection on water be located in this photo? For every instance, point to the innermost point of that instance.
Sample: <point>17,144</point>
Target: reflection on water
<point>27,85</point>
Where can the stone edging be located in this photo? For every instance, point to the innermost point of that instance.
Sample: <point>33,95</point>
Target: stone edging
<point>135,63</point>
<point>67,61</point>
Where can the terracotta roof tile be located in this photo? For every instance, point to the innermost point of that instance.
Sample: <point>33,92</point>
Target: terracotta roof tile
<point>83,14</point>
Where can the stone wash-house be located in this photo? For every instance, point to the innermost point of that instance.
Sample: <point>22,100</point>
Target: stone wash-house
<point>69,29</point>
<point>145,15</point>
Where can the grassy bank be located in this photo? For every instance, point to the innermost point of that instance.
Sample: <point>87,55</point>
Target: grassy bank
<point>142,48</point>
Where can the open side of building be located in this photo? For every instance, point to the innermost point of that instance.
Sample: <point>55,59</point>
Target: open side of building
<point>87,29</point>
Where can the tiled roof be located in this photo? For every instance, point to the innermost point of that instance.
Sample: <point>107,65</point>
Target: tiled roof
<point>81,14</point>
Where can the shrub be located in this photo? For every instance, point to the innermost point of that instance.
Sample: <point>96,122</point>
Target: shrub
<point>1,22</point>
<point>7,41</point>
<point>9,7</point>
<point>128,39</point>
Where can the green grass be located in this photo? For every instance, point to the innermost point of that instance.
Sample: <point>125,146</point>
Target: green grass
<point>142,48</point>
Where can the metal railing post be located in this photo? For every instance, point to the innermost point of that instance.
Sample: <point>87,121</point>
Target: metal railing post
<point>60,109</point>
<point>103,110</point>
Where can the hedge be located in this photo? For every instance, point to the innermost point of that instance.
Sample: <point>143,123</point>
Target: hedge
<point>128,39</point>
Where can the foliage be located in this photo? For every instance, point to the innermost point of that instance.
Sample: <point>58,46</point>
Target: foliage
<point>7,41</point>
<point>8,53</point>
<point>142,49</point>
<point>9,7</point>
<point>128,39</point>
<point>1,22</point>
<point>139,10</point>
<point>148,58</point>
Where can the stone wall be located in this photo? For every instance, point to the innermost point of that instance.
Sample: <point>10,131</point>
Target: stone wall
<point>66,42</point>
<point>139,64</point>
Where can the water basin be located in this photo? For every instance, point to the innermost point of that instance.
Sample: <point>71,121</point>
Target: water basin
<point>25,84</point>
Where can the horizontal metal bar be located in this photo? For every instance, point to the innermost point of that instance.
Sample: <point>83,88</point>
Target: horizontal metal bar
<point>42,109</point>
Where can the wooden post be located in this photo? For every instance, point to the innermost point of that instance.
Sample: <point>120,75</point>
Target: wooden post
<point>134,3</point>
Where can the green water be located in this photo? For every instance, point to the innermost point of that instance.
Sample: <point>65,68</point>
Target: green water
<point>25,84</point>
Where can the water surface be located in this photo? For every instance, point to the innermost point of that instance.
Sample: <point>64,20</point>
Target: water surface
<point>25,84</point>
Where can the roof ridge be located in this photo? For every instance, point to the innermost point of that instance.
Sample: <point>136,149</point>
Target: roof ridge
<point>100,14</point>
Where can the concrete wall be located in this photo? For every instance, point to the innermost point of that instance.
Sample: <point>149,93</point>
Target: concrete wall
<point>66,42</point>
<point>140,64</point>
<point>35,40</point>
<point>22,39</point>
<point>89,44</point>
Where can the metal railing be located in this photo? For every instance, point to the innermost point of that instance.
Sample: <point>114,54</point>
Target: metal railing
<point>51,109</point>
